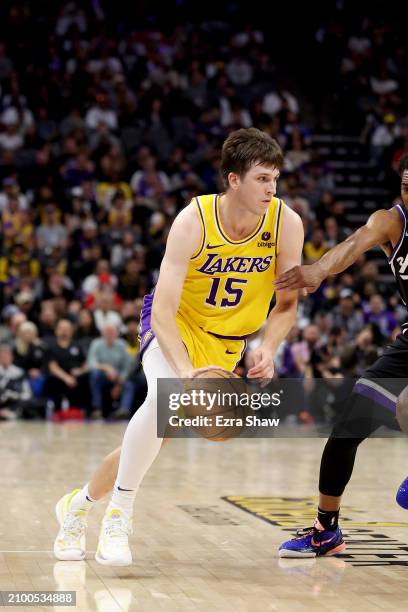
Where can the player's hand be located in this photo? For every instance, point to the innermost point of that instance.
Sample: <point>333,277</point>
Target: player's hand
<point>307,278</point>
<point>261,365</point>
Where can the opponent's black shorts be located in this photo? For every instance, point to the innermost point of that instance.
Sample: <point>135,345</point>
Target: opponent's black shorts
<point>374,397</point>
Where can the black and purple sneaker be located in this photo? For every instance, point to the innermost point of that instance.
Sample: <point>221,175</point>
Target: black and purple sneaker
<point>313,542</point>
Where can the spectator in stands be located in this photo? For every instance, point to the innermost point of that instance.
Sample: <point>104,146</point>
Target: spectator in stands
<point>15,392</point>
<point>149,183</point>
<point>131,335</point>
<point>51,233</point>
<point>346,316</point>
<point>377,312</point>
<point>47,320</point>
<point>67,368</point>
<point>132,283</point>
<point>333,232</point>
<point>108,364</point>
<point>105,311</point>
<point>316,247</point>
<point>29,355</point>
<point>86,330</point>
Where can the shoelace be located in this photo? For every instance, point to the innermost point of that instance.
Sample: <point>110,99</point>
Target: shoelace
<point>117,528</point>
<point>301,533</point>
<point>73,527</point>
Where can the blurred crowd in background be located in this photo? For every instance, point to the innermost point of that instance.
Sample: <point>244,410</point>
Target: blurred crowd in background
<point>109,125</point>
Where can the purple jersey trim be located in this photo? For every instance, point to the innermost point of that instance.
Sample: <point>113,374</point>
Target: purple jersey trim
<point>397,246</point>
<point>242,353</point>
<point>146,334</point>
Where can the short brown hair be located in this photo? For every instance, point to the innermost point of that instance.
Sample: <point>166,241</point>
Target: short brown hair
<point>246,147</point>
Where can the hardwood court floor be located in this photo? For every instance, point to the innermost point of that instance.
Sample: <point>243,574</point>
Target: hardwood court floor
<point>193,549</point>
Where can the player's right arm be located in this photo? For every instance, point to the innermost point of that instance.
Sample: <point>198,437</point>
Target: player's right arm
<point>183,241</point>
<point>382,227</point>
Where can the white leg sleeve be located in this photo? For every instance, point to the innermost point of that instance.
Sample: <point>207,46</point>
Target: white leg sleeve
<point>140,443</point>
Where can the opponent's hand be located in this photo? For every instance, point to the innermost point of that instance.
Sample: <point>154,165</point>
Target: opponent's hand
<point>261,365</point>
<point>307,278</point>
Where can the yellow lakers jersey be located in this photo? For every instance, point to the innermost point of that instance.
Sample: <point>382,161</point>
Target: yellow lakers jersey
<point>229,283</point>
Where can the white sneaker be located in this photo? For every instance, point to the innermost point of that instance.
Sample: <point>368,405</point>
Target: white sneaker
<point>70,542</point>
<point>113,546</point>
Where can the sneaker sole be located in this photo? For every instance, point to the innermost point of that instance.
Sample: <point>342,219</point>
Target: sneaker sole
<point>114,563</point>
<point>69,555</point>
<point>294,554</point>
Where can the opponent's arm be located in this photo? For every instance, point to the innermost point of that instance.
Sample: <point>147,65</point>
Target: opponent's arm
<point>183,241</point>
<point>374,233</point>
<point>283,315</point>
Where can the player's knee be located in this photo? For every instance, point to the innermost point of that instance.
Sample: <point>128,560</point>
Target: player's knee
<point>402,410</point>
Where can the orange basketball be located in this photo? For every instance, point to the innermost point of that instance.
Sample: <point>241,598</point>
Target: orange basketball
<point>220,391</point>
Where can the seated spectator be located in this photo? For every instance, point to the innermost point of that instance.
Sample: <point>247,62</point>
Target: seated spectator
<point>131,336</point>
<point>297,202</point>
<point>297,154</point>
<point>86,330</point>
<point>47,320</point>
<point>328,206</point>
<point>316,247</point>
<point>67,368</point>
<point>13,222</point>
<point>51,233</point>
<point>123,251</point>
<point>11,189</point>
<point>108,364</point>
<point>18,264</point>
<point>346,316</point>
<point>358,355</point>
<point>101,113</point>
<point>92,282</point>
<point>29,355</point>
<point>334,234</point>
<point>105,312</point>
<point>149,183</point>
<point>13,318</point>
<point>58,285</point>
<point>25,300</point>
<point>15,391</point>
<point>120,213</point>
<point>132,283</point>
<point>377,312</point>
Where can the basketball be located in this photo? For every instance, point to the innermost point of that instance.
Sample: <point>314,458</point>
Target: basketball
<point>224,416</point>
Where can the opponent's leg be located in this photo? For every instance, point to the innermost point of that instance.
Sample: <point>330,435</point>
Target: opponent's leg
<point>361,418</point>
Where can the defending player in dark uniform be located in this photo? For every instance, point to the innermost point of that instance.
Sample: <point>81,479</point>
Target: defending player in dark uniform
<point>374,398</point>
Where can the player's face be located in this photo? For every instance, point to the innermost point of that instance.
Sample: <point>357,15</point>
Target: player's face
<point>257,187</point>
<point>404,187</point>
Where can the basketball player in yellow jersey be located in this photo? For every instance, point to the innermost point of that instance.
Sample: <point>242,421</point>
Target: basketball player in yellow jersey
<point>214,289</point>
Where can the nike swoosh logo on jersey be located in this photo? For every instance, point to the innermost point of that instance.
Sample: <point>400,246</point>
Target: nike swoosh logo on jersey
<point>230,352</point>
<point>215,246</point>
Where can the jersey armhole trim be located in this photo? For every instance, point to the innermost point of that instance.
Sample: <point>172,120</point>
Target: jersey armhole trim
<point>278,224</point>
<point>201,217</point>
<point>404,229</point>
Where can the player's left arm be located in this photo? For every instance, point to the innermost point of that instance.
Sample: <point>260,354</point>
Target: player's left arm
<point>283,315</point>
